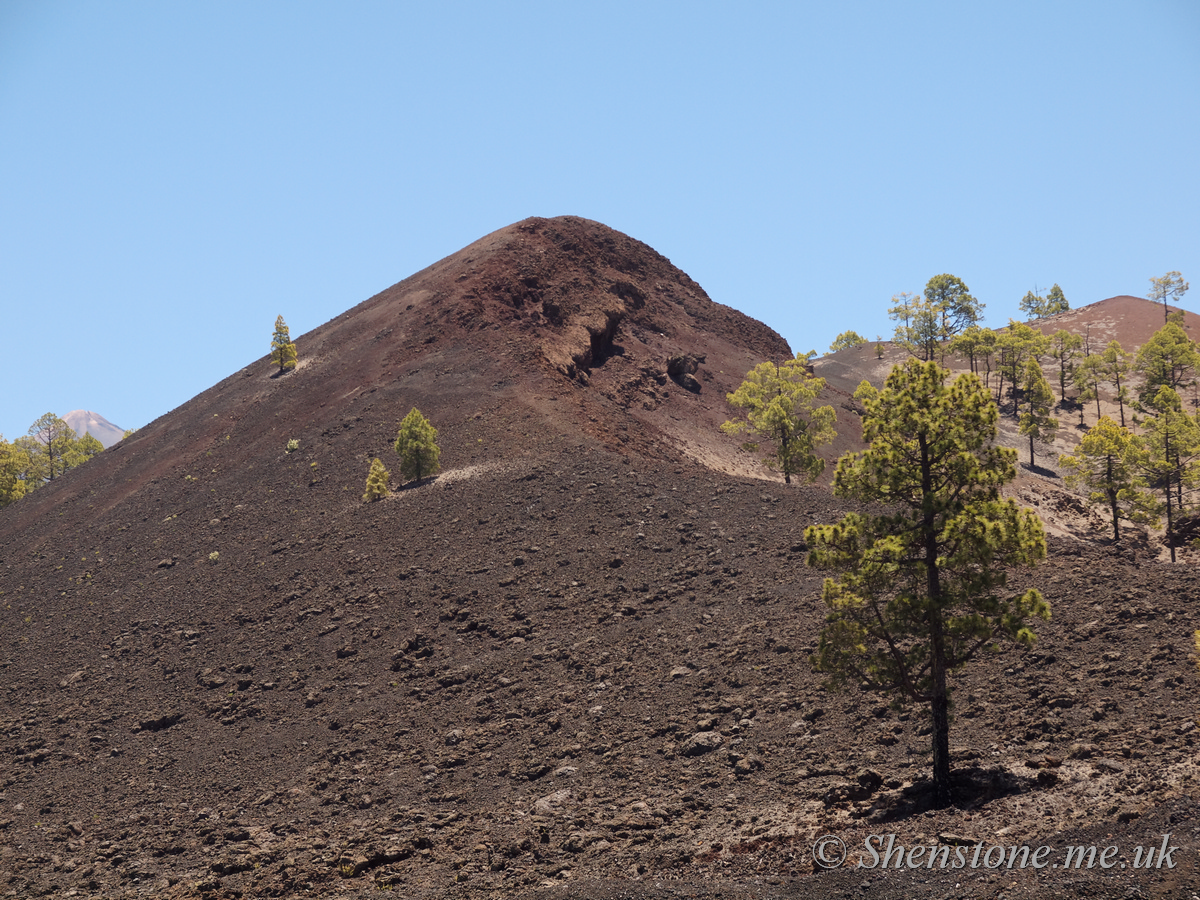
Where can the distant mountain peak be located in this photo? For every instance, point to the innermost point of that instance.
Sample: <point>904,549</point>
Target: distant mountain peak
<point>83,421</point>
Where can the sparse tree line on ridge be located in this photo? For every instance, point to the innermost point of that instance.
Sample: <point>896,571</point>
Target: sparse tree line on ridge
<point>921,587</point>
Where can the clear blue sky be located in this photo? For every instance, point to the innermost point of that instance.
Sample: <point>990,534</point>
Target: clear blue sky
<point>175,175</point>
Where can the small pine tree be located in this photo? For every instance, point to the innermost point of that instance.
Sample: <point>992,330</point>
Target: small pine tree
<point>417,446</point>
<point>1170,286</point>
<point>1064,347</point>
<point>778,400</point>
<point>1056,301</point>
<point>1088,376</point>
<point>1103,466</point>
<point>1037,424</point>
<point>847,340</point>
<point>377,482</point>
<point>283,351</point>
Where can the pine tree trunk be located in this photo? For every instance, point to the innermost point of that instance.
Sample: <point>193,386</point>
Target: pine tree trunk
<point>939,709</point>
<point>1170,521</point>
<point>1112,500</point>
<point>1031,451</point>
<point>939,704</point>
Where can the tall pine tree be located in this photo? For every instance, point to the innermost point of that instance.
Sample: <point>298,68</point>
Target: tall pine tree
<point>1037,423</point>
<point>923,584</point>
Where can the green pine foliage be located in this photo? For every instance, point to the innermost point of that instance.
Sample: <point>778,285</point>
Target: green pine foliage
<point>48,451</point>
<point>283,351</point>
<point>1116,368</point>
<point>778,399</point>
<point>1064,349</point>
<point>847,340</point>
<point>1168,359</point>
<point>976,344</point>
<point>417,446</point>
<point>1056,302</point>
<point>81,450</point>
<point>1170,287</point>
<point>377,482</point>
<point>1016,345</point>
<point>1104,465</point>
<point>1037,423</point>
<point>956,309</point>
<point>918,325</point>
<point>1168,451</point>
<point>49,442</point>
<point>1038,307</point>
<point>1087,377</point>
<point>14,463</point>
<point>922,588</point>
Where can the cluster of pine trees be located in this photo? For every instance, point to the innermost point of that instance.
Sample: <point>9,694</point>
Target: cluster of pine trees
<point>921,588</point>
<point>50,449</point>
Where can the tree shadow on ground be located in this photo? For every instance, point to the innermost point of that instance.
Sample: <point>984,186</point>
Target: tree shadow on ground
<point>416,483</point>
<point>973,787</point>
<point>1039,470</point>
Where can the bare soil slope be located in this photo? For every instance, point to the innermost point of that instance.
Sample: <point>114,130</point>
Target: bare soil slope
<point>573,665</point>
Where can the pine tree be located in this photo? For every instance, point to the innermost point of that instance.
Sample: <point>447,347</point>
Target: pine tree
<point>1064,348</point>
<point>377,482</point>
<point>417,446</point>
<point>1116,367</point>
<point>1088,375</point>
<point>1056,302</point>
<point>847,340</point>
<point>283,351</point>
<point>1170,286</point>
<point>1016,345</point>
<point>778,400</point>
<point>956,309</point>
<point>1167,455</point>
<point>81,450</point>
<point>1037,424</point>
<point>14,462</point>
<point>1033,305</point>
<point>918,329</point>
<point>54,437</point>
<point>1038,307</point>
<point>923,584</point>
<point>1168,359</point>
<point>975,343</point>
<point>1103,464</point>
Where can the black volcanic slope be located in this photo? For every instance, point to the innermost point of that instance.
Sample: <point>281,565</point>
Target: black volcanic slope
<point>576,662</point>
